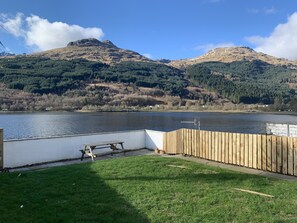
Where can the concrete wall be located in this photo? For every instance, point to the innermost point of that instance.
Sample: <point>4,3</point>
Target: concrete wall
<point>154,139</point>
<point>281,129</point>
<point>33,151</point>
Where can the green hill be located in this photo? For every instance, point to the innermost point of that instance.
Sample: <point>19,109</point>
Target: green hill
<point>244,81</point>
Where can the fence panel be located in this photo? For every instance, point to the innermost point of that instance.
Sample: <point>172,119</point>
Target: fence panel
<point>265,152</point>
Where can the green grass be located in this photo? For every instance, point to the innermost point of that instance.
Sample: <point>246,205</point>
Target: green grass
<point>143,189</point>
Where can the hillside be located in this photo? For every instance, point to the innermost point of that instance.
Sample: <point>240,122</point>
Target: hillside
<point>92,75</point>
<point>245,81</point>
<point>81,84</point>
<point>231,54</point>
<point>92,50</point>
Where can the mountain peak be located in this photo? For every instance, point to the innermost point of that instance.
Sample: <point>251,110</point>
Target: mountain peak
<point>109,43</point>
<point>230,54</point>
<point>91,42</point>
<point>94,50</point>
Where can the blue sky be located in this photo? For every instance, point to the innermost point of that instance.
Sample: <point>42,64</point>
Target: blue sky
<point>171,29</point>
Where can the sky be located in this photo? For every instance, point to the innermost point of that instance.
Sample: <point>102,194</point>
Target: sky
<point>158,29</point>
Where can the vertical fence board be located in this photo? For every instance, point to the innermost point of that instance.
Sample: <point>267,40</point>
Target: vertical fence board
<point>189,141</point>
<point>209,145</point>
<point>250,151</point>
<point>205,144</point>
<point>285,155</point>
<point>238,149</point>
<point>212,146</point>
<point>255,151</point>
<point>220,147</point>
<point>295,156</point>
<point>271,153</point>
<point>246,150</point>
<point>185,141</point>
<point>223,146</point>
<point>264,152</point>
<point>203,151</point>
<point>197,143</point>
<point>279,159</point>
<point>201,143</point>
<point>1,150</point>
<point>241,163</point>
<point>234,148</point>
<point>259,161</point>
<point>215,146</point>
<point>194,142</point>
<point>230,147</point>
<point>227,147</point>
<point>290,156</point>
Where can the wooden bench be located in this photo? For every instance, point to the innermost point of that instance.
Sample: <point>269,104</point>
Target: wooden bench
<point>88,148</point>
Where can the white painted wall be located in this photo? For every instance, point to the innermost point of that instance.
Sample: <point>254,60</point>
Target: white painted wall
<point>281,129</point>
<point>154,139</point>
<point>33,151</point>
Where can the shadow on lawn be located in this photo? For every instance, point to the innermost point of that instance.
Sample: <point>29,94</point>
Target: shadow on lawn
<point>66,194</point>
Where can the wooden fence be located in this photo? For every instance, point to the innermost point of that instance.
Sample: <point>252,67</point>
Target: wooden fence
<point>1,149</point>
<point>264,152</point>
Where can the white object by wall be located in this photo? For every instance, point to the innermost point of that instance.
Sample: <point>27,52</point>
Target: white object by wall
<point>281,129</point>
<point>32,151</point>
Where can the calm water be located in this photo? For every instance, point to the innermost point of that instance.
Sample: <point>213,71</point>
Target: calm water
<point>56,124</point>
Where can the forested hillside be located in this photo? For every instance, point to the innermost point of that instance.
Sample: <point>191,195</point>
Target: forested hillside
<point>129,81</point>
<point>43,76</point>
<point>245,81</point>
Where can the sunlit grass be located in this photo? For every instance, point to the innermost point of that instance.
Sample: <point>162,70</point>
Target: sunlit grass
<point>143,189</point>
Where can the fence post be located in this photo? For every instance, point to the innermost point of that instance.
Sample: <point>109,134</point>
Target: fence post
<point>1,149</point>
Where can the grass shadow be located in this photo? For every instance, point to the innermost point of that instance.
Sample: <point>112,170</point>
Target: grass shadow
<point>73,193</point>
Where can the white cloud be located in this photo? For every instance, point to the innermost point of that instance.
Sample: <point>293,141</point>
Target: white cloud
<point>40,34</point>
<point>12,25</point>
<point>207,47</point>
<point>148,55</point>
<point>282,42</point>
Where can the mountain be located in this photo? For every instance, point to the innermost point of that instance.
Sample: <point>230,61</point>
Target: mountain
<point>231,54</point>
<point>92,50</point>
<point>97,75</point>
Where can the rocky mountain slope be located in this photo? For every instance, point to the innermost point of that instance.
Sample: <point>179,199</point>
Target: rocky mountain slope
<point>231,54</point>
<point>93,50</point>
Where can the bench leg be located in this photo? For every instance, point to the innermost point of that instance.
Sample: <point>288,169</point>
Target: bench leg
<point>82,155</point>
<point>92,154</point>
<point>83,151</point>
<point>122,145</point>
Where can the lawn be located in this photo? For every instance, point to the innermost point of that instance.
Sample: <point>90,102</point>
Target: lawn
<point>144,189</point>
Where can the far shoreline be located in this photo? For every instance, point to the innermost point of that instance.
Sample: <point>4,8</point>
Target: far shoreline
<point>156,110</point>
